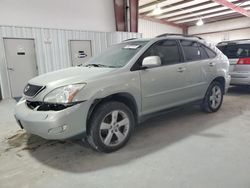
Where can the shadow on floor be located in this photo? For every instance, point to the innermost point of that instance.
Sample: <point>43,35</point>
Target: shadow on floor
<point>151,136</point>
<point>238,90</point>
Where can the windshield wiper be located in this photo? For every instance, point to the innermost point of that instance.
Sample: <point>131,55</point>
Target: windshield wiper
<point>94,65</point>
<point>100,65</point>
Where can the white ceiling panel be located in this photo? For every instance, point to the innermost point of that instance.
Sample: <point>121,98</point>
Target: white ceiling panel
<point>161,4</point>
<point>209,16</point>
<point>183,5</point>
<point>203,12</point>
<point>185,12</point>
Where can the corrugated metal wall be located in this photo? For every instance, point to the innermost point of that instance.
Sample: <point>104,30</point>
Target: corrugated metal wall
<point>151,29</point>
<point>52,47</point>
<point>226,35</point>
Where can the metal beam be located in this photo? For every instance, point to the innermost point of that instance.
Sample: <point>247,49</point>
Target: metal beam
<point>133,7</point>
<point>126,15</point>
<point>120,15</point>
<point>185,31</point>
<point>221,31</point>
<point>182,26</point>
<point>218,19</point>
<point>233,7</point>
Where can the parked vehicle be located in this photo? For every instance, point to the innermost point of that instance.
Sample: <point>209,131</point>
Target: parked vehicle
<point>238,53</point>
<point>114,91</point>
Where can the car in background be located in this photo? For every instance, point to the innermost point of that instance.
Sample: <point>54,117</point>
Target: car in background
<point>238,53</point>
<point>114,91</point>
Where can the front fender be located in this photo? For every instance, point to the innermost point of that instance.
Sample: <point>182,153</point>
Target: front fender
<point>128,82</point>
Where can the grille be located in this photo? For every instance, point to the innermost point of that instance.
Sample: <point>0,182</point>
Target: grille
<point>32,90</point>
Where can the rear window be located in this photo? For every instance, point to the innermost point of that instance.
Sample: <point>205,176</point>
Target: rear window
<point>235,50</point>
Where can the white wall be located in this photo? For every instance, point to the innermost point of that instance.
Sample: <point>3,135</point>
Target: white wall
<point>91,15</point>
<point>52,47</point>
<point>223,30</point>
<point>227,35</point>
<point>151,29</point>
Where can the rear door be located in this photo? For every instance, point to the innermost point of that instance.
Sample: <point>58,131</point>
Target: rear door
<point>200,68</point>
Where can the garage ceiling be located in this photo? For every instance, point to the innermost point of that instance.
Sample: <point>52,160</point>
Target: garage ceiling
<point>188,12</point>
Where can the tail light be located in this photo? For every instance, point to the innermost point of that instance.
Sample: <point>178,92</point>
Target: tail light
<point>244,61</point>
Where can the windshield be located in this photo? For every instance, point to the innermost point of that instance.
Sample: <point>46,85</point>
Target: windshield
<point>236,50</point>
<point>117,55</point>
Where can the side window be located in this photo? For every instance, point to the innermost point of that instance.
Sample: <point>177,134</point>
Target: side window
<point>203,53</point>
<point>210,53</point>
<point>191,50</point>
<point>167,50</point>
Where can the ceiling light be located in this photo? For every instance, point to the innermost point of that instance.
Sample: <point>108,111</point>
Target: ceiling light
<point>157,10</point>
<point>199,22</point>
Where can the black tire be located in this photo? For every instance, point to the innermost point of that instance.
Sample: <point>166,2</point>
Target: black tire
<point>102,113</point>
<point>207,105</point>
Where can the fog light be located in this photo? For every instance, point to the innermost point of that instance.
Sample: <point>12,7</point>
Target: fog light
<point>57,130</point>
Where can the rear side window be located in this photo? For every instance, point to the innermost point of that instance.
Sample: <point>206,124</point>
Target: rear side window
<point>196,51</point>
<point>203,53</point>
<point>191,50</point>
<point>235,50</point>
<point>210,53</point>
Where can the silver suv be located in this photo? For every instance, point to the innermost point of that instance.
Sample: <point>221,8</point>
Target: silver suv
<point>238,53</point>
<point>109,95</point>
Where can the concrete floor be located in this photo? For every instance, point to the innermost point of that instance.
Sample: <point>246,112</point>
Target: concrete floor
<point>185,148</point>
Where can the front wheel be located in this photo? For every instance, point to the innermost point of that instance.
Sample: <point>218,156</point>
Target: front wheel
<point>213,98</point>
<point>111,125</point>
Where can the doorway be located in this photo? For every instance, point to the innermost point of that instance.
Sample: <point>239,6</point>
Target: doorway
<point>21,63</point>
<point>80,51</point>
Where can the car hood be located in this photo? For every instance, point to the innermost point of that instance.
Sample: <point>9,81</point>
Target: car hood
<point>70,76</point>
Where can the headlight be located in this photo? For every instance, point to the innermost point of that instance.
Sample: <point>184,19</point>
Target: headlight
<point>63,94</point>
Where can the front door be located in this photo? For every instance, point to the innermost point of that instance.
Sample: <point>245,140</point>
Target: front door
<point>21,63</point>
<point>164,86</point>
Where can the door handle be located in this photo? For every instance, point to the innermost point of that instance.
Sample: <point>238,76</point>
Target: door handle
<point>211,64</point>
<point>181,69</point>
<point>11,69</point>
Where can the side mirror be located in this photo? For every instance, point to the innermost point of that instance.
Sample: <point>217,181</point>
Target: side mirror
<point>151,61</point>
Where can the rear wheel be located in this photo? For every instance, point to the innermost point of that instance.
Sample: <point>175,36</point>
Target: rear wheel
<point>111,125</point>
<point>213,98</point>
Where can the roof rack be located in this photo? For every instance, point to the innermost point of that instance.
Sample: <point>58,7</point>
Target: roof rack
<point>129,39</point>
<point>172,34</point>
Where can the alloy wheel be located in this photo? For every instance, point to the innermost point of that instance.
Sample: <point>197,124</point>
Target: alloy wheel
<point>114,128</point>
<point>215,97</point>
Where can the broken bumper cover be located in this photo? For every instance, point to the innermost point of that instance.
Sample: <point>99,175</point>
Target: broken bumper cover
<point>54,125</point>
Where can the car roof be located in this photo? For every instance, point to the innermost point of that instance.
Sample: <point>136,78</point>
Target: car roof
<point>241,41</point>
<point>169,36</point>
<point>178,37</point>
